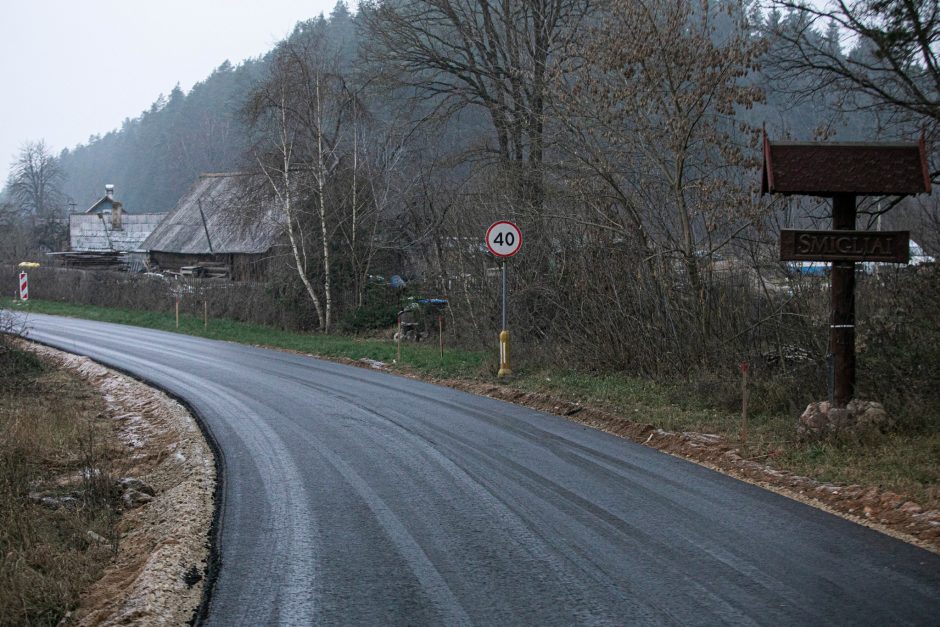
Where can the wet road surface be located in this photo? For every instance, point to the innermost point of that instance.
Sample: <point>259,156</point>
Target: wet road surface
<point>351,496</point>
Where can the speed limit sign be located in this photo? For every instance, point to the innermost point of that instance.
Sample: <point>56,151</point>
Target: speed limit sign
<point>504,239</point>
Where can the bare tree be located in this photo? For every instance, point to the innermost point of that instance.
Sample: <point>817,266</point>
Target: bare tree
<point>330,166</point>
<point>296,151</point>
<point>35,179</point>
<point>894,61</point>
<point>495,55</point>
<point>34,188</point>
<point>651,113</point>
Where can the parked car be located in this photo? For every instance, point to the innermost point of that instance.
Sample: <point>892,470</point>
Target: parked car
<point>809,268</point>
<point>917,258</point>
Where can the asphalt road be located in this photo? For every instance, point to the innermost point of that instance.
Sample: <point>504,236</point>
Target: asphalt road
<point>357,497</point>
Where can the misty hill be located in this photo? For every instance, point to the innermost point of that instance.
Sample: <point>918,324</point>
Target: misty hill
<point>153,158</point>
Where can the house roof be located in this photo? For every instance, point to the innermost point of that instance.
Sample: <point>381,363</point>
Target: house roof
<point>829,169</point>
<point>233,208</point>
<point>95,232</point>
<point>105,203</point>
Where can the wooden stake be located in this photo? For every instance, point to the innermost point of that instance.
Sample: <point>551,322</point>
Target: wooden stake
<point>744,394</point>
<point>398,358</point>
<point>440,333</point>
<point>205,314</point>
<point>177,313</point>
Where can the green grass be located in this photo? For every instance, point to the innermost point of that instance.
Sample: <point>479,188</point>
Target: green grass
<point>899,462</point>
<point>423,358</point>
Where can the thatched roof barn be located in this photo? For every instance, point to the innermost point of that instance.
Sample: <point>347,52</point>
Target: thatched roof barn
<point>222,220</point>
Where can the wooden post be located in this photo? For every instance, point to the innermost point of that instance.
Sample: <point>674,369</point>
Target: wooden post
<point>398,358</point>
<point>842,308</point>
<point>744,394</point>
<point>177,312</point>
<point>440,332</point>
<point>205,314</point>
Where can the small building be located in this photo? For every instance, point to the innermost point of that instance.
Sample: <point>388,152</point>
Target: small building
<point>224,225</point>
<point>107,227</point>
<point>107,235</point>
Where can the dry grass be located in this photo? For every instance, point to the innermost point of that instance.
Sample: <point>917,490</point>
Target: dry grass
<point>54,442</point>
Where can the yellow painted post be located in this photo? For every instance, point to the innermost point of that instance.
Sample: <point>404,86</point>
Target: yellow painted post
<point>504,369</point>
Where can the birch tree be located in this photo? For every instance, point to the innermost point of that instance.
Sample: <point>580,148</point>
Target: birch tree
<point>298,115</point>
<point>331,166</point>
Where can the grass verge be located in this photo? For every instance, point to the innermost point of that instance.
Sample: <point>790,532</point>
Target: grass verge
<point>904,462</point>
<point>423,358</point>
<point>58,507</point>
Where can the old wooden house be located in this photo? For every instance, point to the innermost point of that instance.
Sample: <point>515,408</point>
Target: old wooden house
<point>224,225</point>
<point>108,235</point>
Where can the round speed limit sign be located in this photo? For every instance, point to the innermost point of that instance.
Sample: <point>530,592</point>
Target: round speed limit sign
<point>504,239</point>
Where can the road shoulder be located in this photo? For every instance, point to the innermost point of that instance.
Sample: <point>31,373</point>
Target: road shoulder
<point>159,571</point>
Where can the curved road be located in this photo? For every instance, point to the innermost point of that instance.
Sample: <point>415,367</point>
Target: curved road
<point>357,497</point>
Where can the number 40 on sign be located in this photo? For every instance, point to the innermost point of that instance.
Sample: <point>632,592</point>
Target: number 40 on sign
<point>504,239</point>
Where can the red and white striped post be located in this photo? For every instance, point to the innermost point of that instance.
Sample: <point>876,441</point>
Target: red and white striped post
<point>24,286</point>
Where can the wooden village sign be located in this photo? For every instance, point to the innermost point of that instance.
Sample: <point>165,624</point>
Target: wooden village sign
<point>843,172</point>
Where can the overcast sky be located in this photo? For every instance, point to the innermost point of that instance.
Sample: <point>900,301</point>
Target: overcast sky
<point>73,68</point>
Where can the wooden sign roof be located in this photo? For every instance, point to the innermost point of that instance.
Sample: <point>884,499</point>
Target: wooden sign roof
<point>829,169</point>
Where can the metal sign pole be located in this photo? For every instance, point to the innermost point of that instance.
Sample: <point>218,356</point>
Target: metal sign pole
<point>505,300</point>
<point>504,239</point>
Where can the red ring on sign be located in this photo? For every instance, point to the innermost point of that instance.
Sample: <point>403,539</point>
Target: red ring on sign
<point>496,224</point>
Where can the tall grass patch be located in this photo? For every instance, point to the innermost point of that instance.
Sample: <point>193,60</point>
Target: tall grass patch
<point>58,508</point>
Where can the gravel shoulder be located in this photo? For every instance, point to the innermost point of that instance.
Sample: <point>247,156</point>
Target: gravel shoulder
<point>159,571</point>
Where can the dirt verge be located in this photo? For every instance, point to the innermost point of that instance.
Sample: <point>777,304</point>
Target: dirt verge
<point>158,573</point>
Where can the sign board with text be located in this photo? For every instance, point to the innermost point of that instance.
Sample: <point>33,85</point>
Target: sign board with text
<point>884,246</point>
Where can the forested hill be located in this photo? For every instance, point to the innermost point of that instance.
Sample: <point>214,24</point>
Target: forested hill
<point>151,159</point>
<point>154,157</point>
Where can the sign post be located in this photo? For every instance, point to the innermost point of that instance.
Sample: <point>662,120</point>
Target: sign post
<point>843,172</point>
<point>24,286</point>
<point>504,239</point>
<point>843,247</point>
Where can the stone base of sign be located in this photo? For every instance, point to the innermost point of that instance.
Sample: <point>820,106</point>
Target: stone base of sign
<point>859,418</point>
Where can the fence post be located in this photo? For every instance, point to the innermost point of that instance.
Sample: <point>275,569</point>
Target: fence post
<point>745,367</point>
<point>440,332</point>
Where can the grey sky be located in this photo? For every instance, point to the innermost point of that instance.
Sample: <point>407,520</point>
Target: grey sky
<point>73,68</point>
